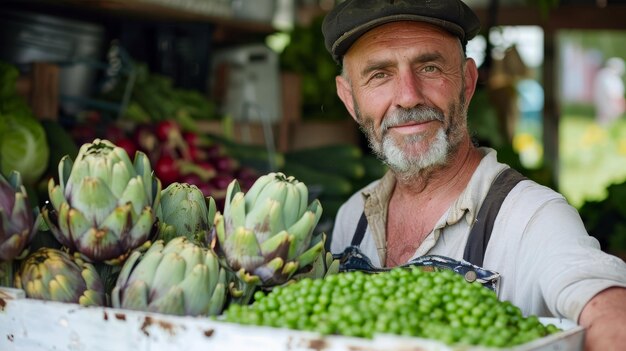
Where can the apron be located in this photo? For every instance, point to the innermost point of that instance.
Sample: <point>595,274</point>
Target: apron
<point>483,225</point>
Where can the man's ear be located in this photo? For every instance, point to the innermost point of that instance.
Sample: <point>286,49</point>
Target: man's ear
<point>471,78</point>
<point>344,91</point>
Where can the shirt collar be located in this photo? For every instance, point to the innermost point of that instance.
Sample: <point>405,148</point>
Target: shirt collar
<point>467,205</point>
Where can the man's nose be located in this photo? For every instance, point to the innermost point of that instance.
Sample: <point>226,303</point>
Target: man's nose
<point>409,90</point>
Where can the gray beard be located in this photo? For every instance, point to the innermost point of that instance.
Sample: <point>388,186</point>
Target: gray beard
<point>410,165</point>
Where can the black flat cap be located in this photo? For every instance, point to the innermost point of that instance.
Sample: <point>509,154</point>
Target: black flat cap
<point>350,19</point>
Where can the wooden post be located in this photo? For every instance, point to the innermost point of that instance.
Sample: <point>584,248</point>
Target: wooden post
<point>551,110</point>
<point>291,108</point>
<point>44,90</point>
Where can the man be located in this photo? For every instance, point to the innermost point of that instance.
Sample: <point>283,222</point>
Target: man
<point>407,83</point>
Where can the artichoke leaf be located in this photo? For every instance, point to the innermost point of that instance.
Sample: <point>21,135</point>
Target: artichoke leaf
<point>134,296</point>
<point>301,232</point>
<point>244,250</point>
<point>120,176</point>
<point>258,220</point>
<point>143,229</point>
<point>257,187</point>
<point>236,216</point>
<point>218,299</point>
<point>94,199</point>
<point>90,298</point>
<point>196,292</point>
<point>212,262</point>
<point>269,272</point>
<point>65,169</point>
<point>312,253</point>
<point>276,246</point>
<point>143,270</point>
<point>61,289</point>
<point>193,256</point>
<point>232,189</point>
<point>171,302</point>
<point>135,195</point>
<point>169,272</point>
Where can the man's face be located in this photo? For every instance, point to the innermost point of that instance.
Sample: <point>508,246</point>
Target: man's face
<point>404,83</point>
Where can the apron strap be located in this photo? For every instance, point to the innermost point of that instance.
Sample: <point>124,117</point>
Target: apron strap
<point>481,230</point>
<point>359,233</point>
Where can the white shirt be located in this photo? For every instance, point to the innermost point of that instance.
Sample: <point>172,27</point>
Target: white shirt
<point>549,265</point>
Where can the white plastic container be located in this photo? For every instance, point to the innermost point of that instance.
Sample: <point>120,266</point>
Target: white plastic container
<point>34,325</point>
<point>251,83</point>
<point>255,10</point>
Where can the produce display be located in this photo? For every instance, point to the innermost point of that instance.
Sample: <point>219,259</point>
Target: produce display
<point>180,155</point>
<point>126,242</point>
<point>437,305</point>
<point>155,217</point>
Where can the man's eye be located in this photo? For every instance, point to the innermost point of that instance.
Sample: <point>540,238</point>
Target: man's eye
<point>430,69</point>
<point>379,75</point>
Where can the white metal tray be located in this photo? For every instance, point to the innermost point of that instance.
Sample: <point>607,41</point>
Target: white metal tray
<point>33,325</point>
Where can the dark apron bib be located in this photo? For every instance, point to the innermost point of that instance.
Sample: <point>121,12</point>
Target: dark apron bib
<point>481,229</point>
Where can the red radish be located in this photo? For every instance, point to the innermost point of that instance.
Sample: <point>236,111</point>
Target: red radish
<point>194,179</point>
<point>196,153</point>
<point>167,170</point>
<point>213,150</point>
<point>170,135</point>
<point>246,173</point>
<point>145,138</point>
<point>128,145</point>
<point>221,181</point>
<point>167,129</point>
<point>203,170</point>
<point>114,133</point>
<point>224,163</point>
<point>191,138</point>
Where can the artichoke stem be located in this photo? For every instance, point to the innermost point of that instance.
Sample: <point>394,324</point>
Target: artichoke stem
<point>6,274</point>
<point>108,274</point>
<point>247,290</point>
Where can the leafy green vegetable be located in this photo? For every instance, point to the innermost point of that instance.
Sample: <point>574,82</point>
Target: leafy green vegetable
<point>155,98</point>
<point>23,144</point>
<point>23,147</point>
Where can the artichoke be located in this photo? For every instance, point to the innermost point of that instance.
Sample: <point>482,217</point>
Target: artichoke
<point>266,235</point>
<point>17,220</point>
<point>51,274</point>
<point>17,224</point>
<point>180,278</point>
<point>185,211</point>
<point>104,205</point>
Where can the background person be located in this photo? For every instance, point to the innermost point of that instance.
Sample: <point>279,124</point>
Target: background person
<point>608,92</point>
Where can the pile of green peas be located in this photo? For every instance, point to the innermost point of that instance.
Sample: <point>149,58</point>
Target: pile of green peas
<point>438,305</point>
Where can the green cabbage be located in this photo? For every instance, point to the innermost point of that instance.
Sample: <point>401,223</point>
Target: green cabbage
<point>23,144</point>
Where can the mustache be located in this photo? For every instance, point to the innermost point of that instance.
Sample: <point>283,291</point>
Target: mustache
<point>416,114</point>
